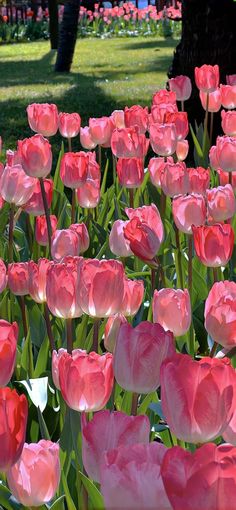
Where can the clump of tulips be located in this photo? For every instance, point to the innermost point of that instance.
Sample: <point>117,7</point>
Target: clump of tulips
<point>117,308</point>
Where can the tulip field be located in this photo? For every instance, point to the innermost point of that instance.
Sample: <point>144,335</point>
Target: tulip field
<point>117,306</point>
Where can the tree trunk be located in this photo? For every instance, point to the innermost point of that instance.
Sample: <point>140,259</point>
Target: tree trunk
<point>68,35</point>
<point>34,7</point>
<point>53,23</point>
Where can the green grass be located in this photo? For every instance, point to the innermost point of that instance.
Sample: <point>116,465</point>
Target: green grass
<point>106,74</point>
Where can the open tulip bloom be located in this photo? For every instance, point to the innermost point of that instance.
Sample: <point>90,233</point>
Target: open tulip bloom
<point>118,306</point>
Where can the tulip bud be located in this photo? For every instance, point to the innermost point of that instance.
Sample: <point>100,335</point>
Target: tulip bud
<point>188,210</point>
<point>38,278</point>
<point>182,149</point>
<point>86,140</point>
<point>41,231</point>
<point>16,187</point>
<point>133,296</point>
<point>74,169</point>
<point>228,96</point>
<point>182,87</point>
<point>129,143</point>
<point>228,122</point>
<point>13,419</point>
<point>164,96</point>
<point>174,179</point>
<point>100,130</point>
<point>117,242</point>
<point>130,172</point>
<point>35,205</point>
<point>155,167</point>
<point>207,78</point>
<point>43,118</point>
<point>35,155</point>
<point>221,203</point>
<point>199,179</point>
<point>163,139</point>
<point>82,232</point>
<point>112,329</point>
<point>220,313</point>
<point>180,120</point>
<point>214,100</point>
<point>214,244</point>
<point>136,116</point>
<point>118,118</point>
<point>172,310</point>
<point>69,124</point>
<point>18,278</point>
<point>8,344</point>
<point>61,289</point>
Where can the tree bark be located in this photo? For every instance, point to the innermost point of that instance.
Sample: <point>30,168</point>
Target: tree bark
<point>68,35</point>
<point>53,23</point>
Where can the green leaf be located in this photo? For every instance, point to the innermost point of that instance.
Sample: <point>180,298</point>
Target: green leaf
<point>104,180</point>
<point>69,500</point>
<point>36,323</point>
<point>6,499</point>
<point>151,397</point>
<point>27,364</point>
<point>42,425</point>
<point>42,358</point>
<point>58,184</point>
<point>58,504</point>
<point>93,493</point>
<point>196,143</point>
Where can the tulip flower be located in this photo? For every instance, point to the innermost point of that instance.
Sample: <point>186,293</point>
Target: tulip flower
<point>69,124</point>
<point>13,419</point>
<point>180,120</point>
<point>18,278</point>
<point>207,78</point>
<point>86,380</point>
<point>182,87</point>
<point>35,156</point>
<point>16,187</point>
<point>228,95</point>
<point>117,242</point>
<point>35,477</point>
<point>81,231</point>
<point>225,177</point>
<point>174,179</point>
<point>182,149</point>
<point>61,289</point>
<point>130,172</point>
<point>133,296</point>
<point>144,242</point>
<point>229,434</point>
<point>12,158</point>
<point>139,353</point>
<point>55,362</point>
<point>226,153</point>
<point>112,329</point>
<point>35,205</point>
<point>160,111</point>
<point>43,118</point>
<point>129,143</point>
<point>41,232</point>
<point>214,244</point>
<point>97,439</point>
<point>172,310</point>
<point>214,100</point>
<point>221,202</point>
<point>8,344</point>
<point>148,214</point>
<point>37,279</point>
<point>228,122</point>
<point>100,130</point>
<point>220,313</point>
<point>231,79</point>
<point>136,116</point>
<point>130,478</point>
<point>86,140</point>
<point>163,139</point>
<point>197,396</point>
<point>189,210</point>
<point>74,169</point>
<point>89,194</point>
<point>3,276</point>
<point>65,242</point>
<point>164,96</point>
<point>204,479</point>
<point>199,179</point>
<point>155,167</point>
<point>118,118</point>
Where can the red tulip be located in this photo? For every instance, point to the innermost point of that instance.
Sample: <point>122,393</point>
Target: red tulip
<point>214,100</point>
<point>8,344</point>
<point>100,130</point>
<point>117,242</point>
<point>228,95</point>
<point>199,179</point>
<point>129,143</point>
<point>207,77</point>
<point>172,310</point>
<point>130,478</point>
<point>144,242</point>
<point>197,396</point>
<point>118,118</point>
<point>35,155</point>
<point>139,353</point>
<point>43,118</point>
<point>136,116</point>
<point>85,139</point>
<point>69,124</point>
<point>95,276</point>
<point>61,289</point>
<point>174,179</point>
<point>130,172</point>
<point>18,278</point>
<point>189,210</point>
<point>133,296</point>
<point>97,439</point>
<point>16,187</point>
<point>38,278</point>
<point>221,202</point>
<point>220,313</point>
<point>182,149</point>
<point>86,380</point>
<point>112,329</point>
<point>82,232</point>
<point>3,276</point>
<point>214,244</point>
<point>148,214</point>
<point>35,477</point>
<point>164,96</point>
<point>163,139</point>
<point>13,419</point>
<point>65,242</point>
<point>228,122</point>
<point>35,205</point>
<point>155,167</point>
<point>231,79</point>
<point>180,120</point>
<point>74,169</point>
<point>182,87</point>
<point>41,231</point>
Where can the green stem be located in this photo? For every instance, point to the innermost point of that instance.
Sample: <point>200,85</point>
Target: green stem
<point>11,233</point>
<point>178,262</point>
<point>153,279</point>
<point>47,213</point>
<point>131,198</point>
<point>69,144</point>
<point>190,288</point>
<point>49,328</point>
<point>95,334</point>
<point>73,206</point>
<point>134,406</point>
<point>205,125</point>
<point>162,205</point>
<point>69,336</point>
<point>213,350</point>
<point>114,168</point>
<point>23,314</point>
<point>100,156</point>
<point>215,274</point>
<point>211,126</point>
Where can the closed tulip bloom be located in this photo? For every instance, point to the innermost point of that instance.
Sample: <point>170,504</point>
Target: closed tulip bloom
<point>118,118</point>
<point>89,194</point>
<point>130,478</point>
<point>3,276</point>
<point>41,231</point>
<point>180,120</point>
<point>159,112</point>
<point>231,79</point>
<point>130,172</point>
<point>226,153</point>
<point>64,242</point>
<point>133,296</point>
<point>112,329</point>
<point>69,124</point>
<point>143,240</point>
<point>148,214</point>
<point>86,139</point>
<point>189,210</point>
<point>55,362</point>
<point>164,96</point>
<point>139,353</point>
<point>35,477</point>
<point>136,116</point>
<point>182,87</point>
<point>82,231</point>
<point>224,178</point>
<point>155,167</point>
<point>18,278</point>
<point>214,162</point>
<point>182,149</point>
<point>129,143</point>
<point>100,130</point>
<point>74,169</point>
<point>228,94</point>
<point>214,244</point>
<point>12,158</point>
<point>220,313</point>
<point>163,139</point>
<point>207,77</point>
<point>37,279</point>
<point>94,276</point>
<point>97,439</point>
<point>35,205</point>
<point>61,289</point>
<point>199,179</point>
<point>43,118</point>
<point>214,102</point>
<point>221,202</point>
<point>175,179</point>
<point>172,310</point>
<point>117,242</point>
<point>36,156</point>
<point>8,344</point>
<point>16,187</point>
<point>13,419</point>
<point>197,396</point>
<point>86,380</point>
<point>228,122</point>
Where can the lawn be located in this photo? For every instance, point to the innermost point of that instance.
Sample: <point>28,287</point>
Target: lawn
<point>106,74</point>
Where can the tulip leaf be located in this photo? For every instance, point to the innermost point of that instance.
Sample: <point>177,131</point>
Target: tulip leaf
<point>104,180</point>
<point>42,425</point>
<point>93,493</point>
<point>196,143</point>
<point>27,365</point>
<point>36,323</point>
<point>58,184</point>
<point>7,500</point>
<point>4,216</point>
<point>42,358</point>
<point>148,399</point>
<point>37,391</point>
<point>156,408</point>
<point>69,499</point>
<point>58,504</point>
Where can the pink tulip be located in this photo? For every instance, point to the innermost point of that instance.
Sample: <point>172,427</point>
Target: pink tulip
<point>69,124</point>
<point>56,355</point>
<point>180,120</point>
<point>150,215</point>
<point>129,143</point>
<point>37,279</point>
<point>136,116</point>
<point>164,96</point>
<point>155,167</point>
<point>182,149</point>
<point>199,179</point>
<point>65,242</point>
<point>220,313</point>
<point>82,232</point>
<point>18,278</point>
<point>188,210</point>
<point>231,79</point>
<point>35,155</point>
<point>139,353</point>
<point>94,276</point>
<point>130,172</point>
<point>182,87</point>
<point>89,194</point>
<point>174,179</point>
<point>118,118</point>
<point>86,140</point>
<point>130,478</point>
<point>8,344</point>
<point>61,289</point>
<point>35,477</point>
<point>111,331</point>
<point>12,158</point>
<point>100,130</point>
<point>225,178</point>
<point>74,169</point>
<point>13,419</point>
<point>163,139</point>
<point>144,242</point>
<point>221,203</point>
<point>86,380</point>
<point>214,162</point>
<point>16,187</point>
<point>35,205</point>
<point>97,439</point>
<point>214,244</point>
<point>133,296</point>
<point>214,101</point>
<point>172,310</point>
<point>3,276</point>
<point>207,78</point>
<point>43,118</point>
<point>41,231</point>
<point>117,242</point>
<point>197,396</point>
<point>228,94</point>
<point>228,122</point>
<point>160,111</point>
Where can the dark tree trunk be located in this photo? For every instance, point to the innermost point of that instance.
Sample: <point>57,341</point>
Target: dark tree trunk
<point>68,35</point>
<point>34,7</point>
<point>53,23</point>
<point>208,37</point>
